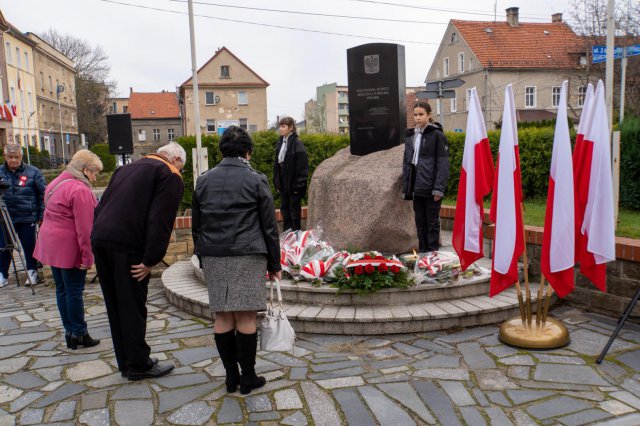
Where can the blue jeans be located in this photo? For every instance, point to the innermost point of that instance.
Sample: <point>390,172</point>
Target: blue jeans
<point>27,234</point>
<point>69,288</point>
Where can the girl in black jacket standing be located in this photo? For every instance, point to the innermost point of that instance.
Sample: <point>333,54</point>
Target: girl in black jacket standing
<point>425,173</point>
<point>290,172</point>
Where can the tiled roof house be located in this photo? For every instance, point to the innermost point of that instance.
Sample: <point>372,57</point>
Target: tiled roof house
<point>155,120</point>
<point>534,57</point>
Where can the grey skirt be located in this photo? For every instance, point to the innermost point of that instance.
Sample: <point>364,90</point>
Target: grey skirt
<point>236,283</point>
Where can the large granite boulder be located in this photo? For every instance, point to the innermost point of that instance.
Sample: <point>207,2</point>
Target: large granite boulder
<point>358,202</point>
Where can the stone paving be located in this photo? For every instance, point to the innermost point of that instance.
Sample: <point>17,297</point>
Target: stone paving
<point>462,376</point>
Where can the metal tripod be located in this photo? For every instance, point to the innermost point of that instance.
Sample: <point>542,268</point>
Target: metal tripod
<point>625,316</point>
<point>12,242</point>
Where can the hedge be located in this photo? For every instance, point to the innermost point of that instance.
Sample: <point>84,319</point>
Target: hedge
<point>630,163</point>
<point>535,146</point>
<point>319,147</point>
<point>108,160</point>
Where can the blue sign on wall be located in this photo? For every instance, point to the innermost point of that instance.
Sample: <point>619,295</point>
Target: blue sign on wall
<point>599,53</point>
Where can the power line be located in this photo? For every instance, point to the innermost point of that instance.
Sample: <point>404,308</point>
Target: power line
<point>435,9</point>
<point>268,25</point>
<point>327,15</point>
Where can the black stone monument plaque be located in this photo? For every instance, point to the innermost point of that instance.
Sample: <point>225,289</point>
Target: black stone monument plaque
<point>377,109</point>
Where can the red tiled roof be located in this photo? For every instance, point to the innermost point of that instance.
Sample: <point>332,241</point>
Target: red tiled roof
<point>153,105</point>
<point>529,45</point>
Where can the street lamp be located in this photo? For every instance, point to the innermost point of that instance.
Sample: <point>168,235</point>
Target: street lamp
<point>60,89</point>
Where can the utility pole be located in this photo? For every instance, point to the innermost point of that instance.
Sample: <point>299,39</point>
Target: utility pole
<point>60,89</point>
<point>199,159</point>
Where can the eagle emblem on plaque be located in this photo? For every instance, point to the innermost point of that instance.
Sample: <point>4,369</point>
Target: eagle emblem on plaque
<point>372,64</point>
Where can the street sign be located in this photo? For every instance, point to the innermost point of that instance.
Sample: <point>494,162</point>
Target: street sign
<point>599,53</point>
<point>445,84</point>
<point>633,50</point>
<point>434,94</point>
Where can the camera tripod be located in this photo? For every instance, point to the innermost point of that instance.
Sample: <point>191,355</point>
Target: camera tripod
<point>12,242</point>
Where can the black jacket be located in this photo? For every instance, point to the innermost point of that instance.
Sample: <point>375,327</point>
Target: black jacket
<point>431,175</point>
<point>234,215</point>
<point>25,196</point>
<point>291,176</point>
<point>137,211</point>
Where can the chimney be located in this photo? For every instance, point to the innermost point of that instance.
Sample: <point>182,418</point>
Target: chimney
<point>512,16</point>
<point>556,17</point>
<point>130,90</point>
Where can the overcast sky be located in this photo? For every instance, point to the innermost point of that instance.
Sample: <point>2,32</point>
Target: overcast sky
<point>149,49</point>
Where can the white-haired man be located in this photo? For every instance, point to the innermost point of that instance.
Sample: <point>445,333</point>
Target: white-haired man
<point>131,231</point>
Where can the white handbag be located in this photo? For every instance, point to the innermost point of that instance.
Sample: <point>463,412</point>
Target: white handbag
<point>277,335</point>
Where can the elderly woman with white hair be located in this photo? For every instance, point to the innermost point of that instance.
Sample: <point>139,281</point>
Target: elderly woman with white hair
<point>64,241</point>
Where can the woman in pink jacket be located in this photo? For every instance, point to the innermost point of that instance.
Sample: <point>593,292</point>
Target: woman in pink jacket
<point>64,241</point>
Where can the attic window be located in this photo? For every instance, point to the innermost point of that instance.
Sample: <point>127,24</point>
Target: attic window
<point>546,32</point>
<point>224,71</point>
<point>454,37</point>
<point>488,30</point>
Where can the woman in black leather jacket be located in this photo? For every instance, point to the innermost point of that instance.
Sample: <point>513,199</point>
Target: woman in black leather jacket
<point>236,235</point>
<point>425,173</point>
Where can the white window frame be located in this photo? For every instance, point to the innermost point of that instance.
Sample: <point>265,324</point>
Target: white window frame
<point>244,123</point>
<point>171,134</point>
<point>582,95</point>
<point>9,54</point>
<point>142,135</point>
<point>445,67</point>
<point>245,96</point>
<point>210,126</point>
<point>467,99</point>
<point>213,98</point>
<point>156,135</point>
<point>26,61</point>
<point>454,104</point>
<point>460,62</point>
<point>12,94</point>
<point>555,96</point>
<point>532,95</point>
<point>18,59</point>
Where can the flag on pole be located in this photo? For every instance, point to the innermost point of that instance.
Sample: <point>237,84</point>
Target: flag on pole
<point>595,228</point>
<point>505,204</point>
<point>476,181</point>
<point>558,241</point>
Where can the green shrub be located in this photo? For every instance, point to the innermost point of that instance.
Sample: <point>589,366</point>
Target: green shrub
<point>629,161</point>
<point>108,160</point>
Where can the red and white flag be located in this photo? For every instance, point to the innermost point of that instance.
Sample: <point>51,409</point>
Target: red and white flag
<point>594,217</point>
<point>506,212</point>
<point>476,181</point>
<point>558,242</point>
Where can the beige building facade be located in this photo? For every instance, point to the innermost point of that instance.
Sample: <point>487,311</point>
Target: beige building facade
<point>21,83</point>
<point>535,58</point>
<point>230,93</point>
<point>56,100</point>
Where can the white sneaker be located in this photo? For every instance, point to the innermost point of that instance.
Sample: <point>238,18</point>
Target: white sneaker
<point>3,280</point>
<point>33,275</point>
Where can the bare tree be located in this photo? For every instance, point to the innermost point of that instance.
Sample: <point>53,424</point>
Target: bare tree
<point>93,86</point>
<point>589,20</point>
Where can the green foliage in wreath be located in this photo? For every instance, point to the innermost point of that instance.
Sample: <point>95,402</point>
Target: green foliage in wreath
<point>365,280</point>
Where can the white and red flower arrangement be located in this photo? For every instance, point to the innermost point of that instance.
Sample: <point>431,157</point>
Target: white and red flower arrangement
<point>371,271</point>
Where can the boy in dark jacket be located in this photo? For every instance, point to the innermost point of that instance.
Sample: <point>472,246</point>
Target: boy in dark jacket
<point>290,172</point>
<point>425,173</point>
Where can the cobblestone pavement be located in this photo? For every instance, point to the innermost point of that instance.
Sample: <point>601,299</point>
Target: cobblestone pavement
<point>450,378</point>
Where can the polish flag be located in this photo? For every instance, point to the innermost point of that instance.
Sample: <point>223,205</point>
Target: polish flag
<point>558,242</point>
<point>594,221</point>
<point>505,204</point>
<point>476,181</point>
<point>7,112</point>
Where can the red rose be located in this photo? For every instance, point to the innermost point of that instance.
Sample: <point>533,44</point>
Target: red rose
<point>369,269</point>
<point>359,270</point>
<point>395,269</point>
<point>379,257</point>
<point>383,267</point>
<point>367,257</point>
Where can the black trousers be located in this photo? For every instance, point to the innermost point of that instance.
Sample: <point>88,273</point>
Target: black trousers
<point>291,210</point>
<point>125,299</point>
<point>427,214</point>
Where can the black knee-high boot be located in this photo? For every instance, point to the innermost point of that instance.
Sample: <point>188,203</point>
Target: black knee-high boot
<point>246,347</point>
<point>226,344</point>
